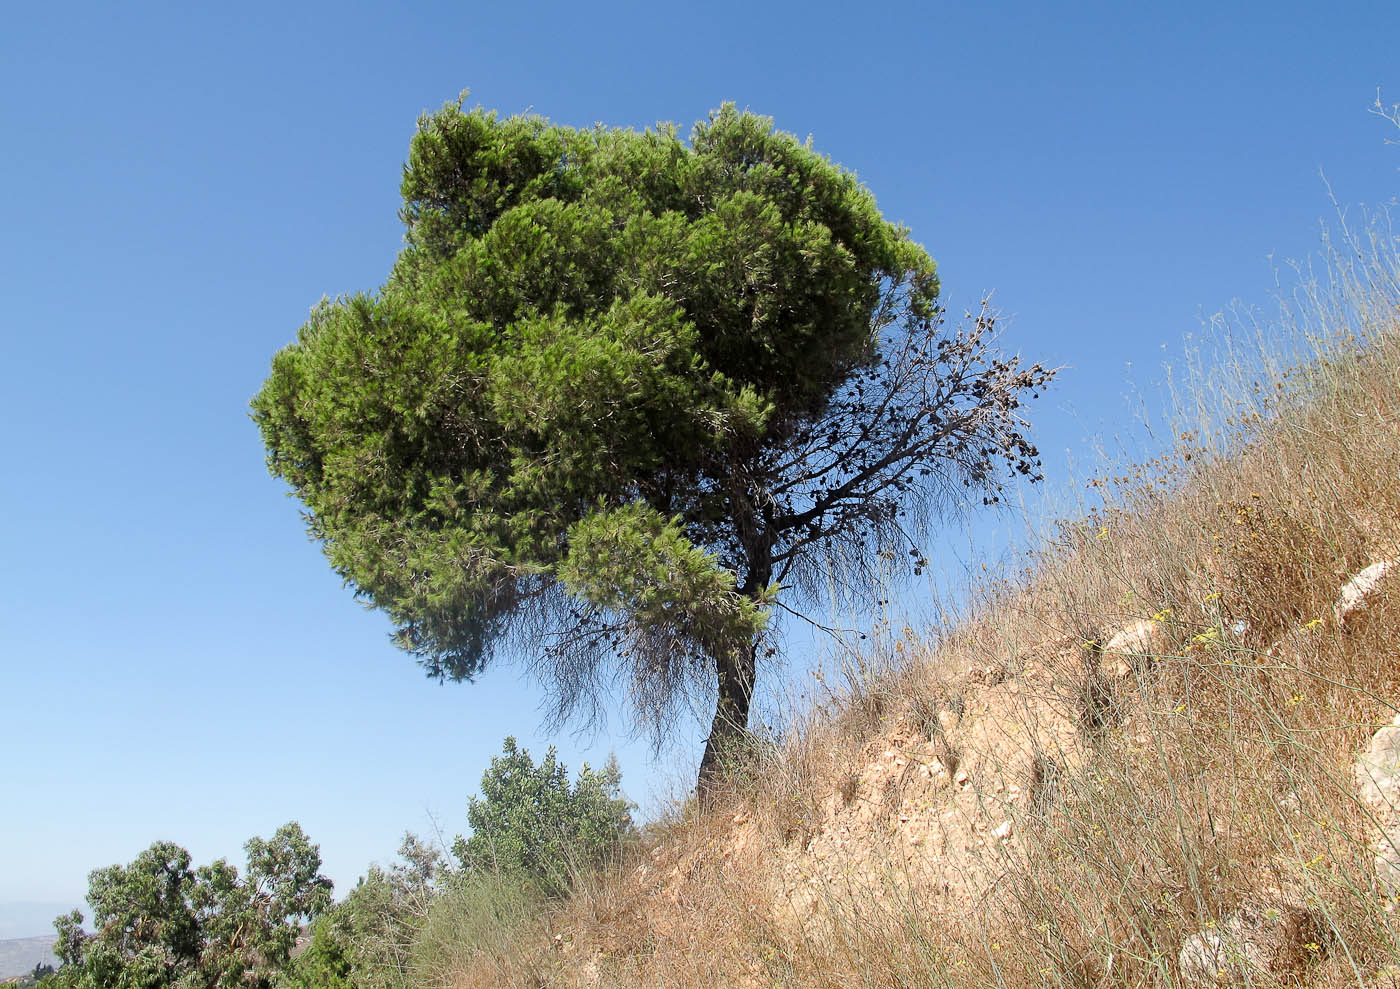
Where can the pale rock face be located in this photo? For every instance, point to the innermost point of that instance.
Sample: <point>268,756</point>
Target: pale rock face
<point>1140,640</point>
<point>1378,777</point>
<point>1357,594</point>
<point>1248,943</point>
<point>1378,772</point>
<point>1388,861</point>
<point>1208,957</point>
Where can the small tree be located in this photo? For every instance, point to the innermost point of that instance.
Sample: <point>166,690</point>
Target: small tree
<point>162,923</point>
<point>327,962</point>
<point>41,975</point>
<point>530,821</point>
<point>622,395</point>
<point>368,940</point>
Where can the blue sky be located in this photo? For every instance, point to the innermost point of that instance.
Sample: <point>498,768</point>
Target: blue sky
<point>181,184</point>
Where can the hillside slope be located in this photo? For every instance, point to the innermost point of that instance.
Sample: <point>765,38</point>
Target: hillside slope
<point>1157,756</point>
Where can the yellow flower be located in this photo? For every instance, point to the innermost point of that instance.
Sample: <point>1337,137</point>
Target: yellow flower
<point>1162,615</point>
<point>1314,623</point>
<point>1103,533</point>
<point>1213,595</point>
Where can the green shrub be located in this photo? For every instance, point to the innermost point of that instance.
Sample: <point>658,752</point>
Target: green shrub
<point>367,940</point>
<point>531,823</point>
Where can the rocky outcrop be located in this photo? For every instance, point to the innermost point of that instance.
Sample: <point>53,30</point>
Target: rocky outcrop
<point>1359,595</point>
<point>1378,766</point>
<point>1378,777</point>
<point>1378,771</point>
<point>1131,648</point>
<point>1250,942</point>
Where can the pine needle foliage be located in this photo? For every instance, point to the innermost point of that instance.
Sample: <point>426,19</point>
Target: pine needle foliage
<point>621,393</point>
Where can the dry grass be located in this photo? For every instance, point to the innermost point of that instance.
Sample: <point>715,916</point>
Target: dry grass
<point>1215,775</point>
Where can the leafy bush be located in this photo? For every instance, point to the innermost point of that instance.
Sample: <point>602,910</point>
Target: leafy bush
<point>327,962</point>
<point>474,916</point>
<point>366,941</point>
<point>529,821</point>
<point>420,919</point>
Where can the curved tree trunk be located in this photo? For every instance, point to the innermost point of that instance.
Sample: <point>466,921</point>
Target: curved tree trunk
<point>735,675</point>
<point>735,682</point>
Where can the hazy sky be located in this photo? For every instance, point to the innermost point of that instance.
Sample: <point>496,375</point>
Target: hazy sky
<point>182,184</point>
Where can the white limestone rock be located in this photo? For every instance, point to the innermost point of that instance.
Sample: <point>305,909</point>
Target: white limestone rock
<point>1358,594</point>
<point>1378,772</point>
<point>1132,647</point>
<point>1388,861</point>
<point>1247,944</point>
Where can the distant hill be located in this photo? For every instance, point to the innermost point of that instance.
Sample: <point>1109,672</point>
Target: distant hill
<point>18,956</point>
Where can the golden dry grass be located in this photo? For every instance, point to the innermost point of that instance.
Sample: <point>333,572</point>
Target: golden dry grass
<point>1141,808</point>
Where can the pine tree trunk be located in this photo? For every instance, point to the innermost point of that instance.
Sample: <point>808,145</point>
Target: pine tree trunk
<point>736,679</point>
